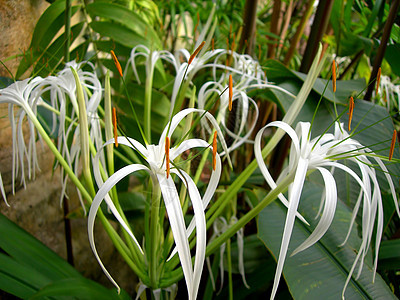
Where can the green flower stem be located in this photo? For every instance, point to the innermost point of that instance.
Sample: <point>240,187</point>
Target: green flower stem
<point>229,259</point>
<point>155,233</point>
<point>147,100</point>
<point>107,226</point>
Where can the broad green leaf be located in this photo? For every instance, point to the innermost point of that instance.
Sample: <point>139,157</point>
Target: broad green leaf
<point>28,251</point>
<point>19,280</point>
<point>47,57</point>
<point>320,271</point>
<point>389,255</point>
<point>392,56</point>
<point>119,33</point>
<point>124,16</point>
<point>79,288</point>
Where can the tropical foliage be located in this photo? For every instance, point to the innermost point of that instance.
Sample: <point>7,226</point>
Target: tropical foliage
<point>248,148</point>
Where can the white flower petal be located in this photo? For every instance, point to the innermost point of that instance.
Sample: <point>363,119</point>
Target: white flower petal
<point>294,197</point>
<point>101,195</point>
<point>327,215</point>
<point>175,216</point>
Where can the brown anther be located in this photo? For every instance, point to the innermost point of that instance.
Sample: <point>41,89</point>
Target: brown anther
<point>350,113</point>
<point>114,121</point>
<point>117,64</point>
<point>214,145</point>
<point>378,80</point>
<point>392,144</point>
<point>197,23</point>
<point>334,76</point>
<point>167,155</point>
<point>196,52</point>
<point>212,44</point>
<point>230,92</point>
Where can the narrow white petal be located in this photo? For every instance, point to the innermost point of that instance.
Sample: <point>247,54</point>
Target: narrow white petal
<point>175,216</point>
<point>261,164</point>
<point>294,197</point>
<point>200,220</point>
<point>101,195</point>
<point>328,213</point>
<point>3,193</point>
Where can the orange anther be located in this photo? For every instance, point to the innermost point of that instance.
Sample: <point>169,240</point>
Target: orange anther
<point>350,113</point>
<point>117,64</point>
<point>197,23</point>
<point>392,144</point>
<point>167,154</point>
<point>230,92</point>
<point>114,121</point>
<point>196,52</point>
<point>334,76</point>
<point>378,80</point>
<point>214,145</point>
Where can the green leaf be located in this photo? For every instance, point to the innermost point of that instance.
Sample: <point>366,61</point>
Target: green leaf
<point>79,288</point>
<point>49,23</point>
<point>320,271</point>
<point>119,33</point>
<point>392,56</point>
<point>28,251</point>
<point>389,255</point>
<point>124,16</point>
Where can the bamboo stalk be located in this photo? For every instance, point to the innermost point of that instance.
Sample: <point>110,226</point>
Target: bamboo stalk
<point>275,24</point>
<point>249,27</point>
<point>382,47</point>
<point>318,29</point>
<point>299,32</point>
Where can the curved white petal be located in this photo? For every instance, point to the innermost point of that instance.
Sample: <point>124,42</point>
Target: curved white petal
<point>294,197</point>
<point>175,216</point>
<point>327,215</point>
<point>101,195</point>
<point>200,220</point>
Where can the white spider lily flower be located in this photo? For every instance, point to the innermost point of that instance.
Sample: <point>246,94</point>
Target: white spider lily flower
<point>390,94</point>
<point>245,125</point>
<point>21,94</point>
<point>157,169</point>
<point>316,154</point>
<point>352,147</point>
<point>220,225</point>
<point>62,88</point>
<point>172,290</point>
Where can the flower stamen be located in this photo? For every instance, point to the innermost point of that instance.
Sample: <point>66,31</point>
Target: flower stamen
<point>214,145</point>
<point>230,92</point>
<point>114,121</point>
<point>378,80</point>
<point>212,44</point>
<point>392,144</point>
<point>350,113</point>
<point>167,154</point>
<point>116,62</point>
<point>196,52</point>
<point>334,76</point>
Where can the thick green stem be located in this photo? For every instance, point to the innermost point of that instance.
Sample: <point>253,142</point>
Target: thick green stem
<point>67,30</point>
<point>147,99</point>
<point>154,233</point>
<point>229,258</point>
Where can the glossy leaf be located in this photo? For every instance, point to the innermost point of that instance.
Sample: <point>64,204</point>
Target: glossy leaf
<point>122,15</point>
